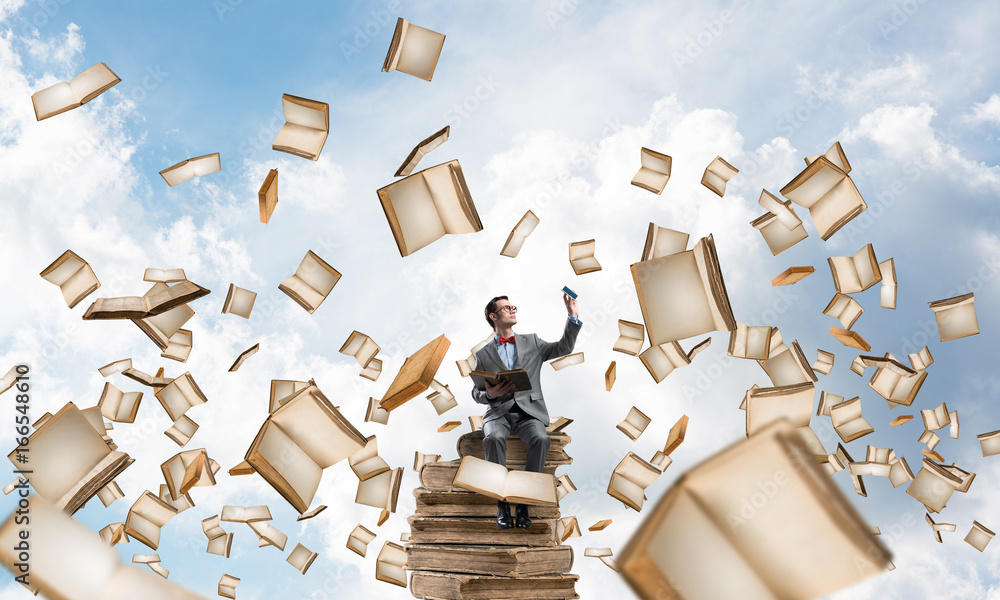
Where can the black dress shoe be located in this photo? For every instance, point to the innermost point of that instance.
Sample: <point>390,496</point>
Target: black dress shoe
<point>504,520</point>
<point>522,519</point>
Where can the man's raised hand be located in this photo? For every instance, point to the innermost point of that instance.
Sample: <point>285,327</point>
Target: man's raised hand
<point>572,308</point>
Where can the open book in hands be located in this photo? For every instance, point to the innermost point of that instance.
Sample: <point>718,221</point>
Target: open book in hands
<point>519,377</point>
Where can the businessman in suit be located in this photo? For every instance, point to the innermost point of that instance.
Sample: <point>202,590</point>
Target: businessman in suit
<point>523,413</point>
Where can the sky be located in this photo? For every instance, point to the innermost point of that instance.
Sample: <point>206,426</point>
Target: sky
<point>549,103</point>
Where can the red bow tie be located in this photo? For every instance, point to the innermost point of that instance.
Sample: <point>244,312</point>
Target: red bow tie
<point>504,340</point>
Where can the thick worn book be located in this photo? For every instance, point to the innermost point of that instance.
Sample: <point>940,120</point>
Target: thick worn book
<point>414,50</point>
<point>454,586</point>
<point>307,125</point>
<point>495,481</point>
<point>302,437</point>
<point>471,444</point>
<point>683,294</point>
<point>78,91</point>
<point>705,541</point>
<point>519,377</point>
<point>425,206</point>
<point>479,530</point>
<point>510,561</point>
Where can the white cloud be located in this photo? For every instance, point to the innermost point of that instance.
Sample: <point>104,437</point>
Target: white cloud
<point>906,133</point>
<point>62,51</point>
<point>986,112</point>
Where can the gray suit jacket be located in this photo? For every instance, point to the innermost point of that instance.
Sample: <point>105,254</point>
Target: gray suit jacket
<point>531,353</point>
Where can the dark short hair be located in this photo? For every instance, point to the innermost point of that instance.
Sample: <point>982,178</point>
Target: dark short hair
<point>492,307</point>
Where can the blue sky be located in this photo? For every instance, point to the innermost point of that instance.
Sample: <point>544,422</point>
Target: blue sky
<point>549,103</point>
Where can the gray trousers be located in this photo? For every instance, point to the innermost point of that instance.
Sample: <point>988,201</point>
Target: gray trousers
<point>529,429</point>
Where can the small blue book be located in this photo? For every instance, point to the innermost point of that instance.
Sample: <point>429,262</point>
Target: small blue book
<point>569,292</point>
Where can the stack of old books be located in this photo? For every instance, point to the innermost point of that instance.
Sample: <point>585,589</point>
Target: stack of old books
<point>455,550</point>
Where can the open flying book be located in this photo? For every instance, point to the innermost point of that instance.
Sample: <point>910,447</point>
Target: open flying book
<point>495,481</point>
<point>956,317</point>
<point>421,150</point>
<point>683,294</point>
<point>75,278</point>
<point>80,90</point>
<point>414,50</point>
<point>307,125</point>
<point>192,167</point>
<point>825,188</point>
<point>856,273</point>
<point>305,435</point>
<point>701,542</point>
<point>581,257</point>
<point>69,459</point>
<point>630,479</point>
<point>519,234</point>
<point>654,172</point>
<point>661,360</point>
<point>423,207</point>
<point>717,173</point>
<point>70,562</point>
<point>312,282</point>
<point>780,226</point>
<point>661,241</point>
<point>149,305</point>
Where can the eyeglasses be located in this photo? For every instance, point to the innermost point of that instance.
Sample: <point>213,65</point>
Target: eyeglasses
<point>510,308</point>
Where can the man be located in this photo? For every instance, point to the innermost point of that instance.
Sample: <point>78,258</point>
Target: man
<point>522,413</point>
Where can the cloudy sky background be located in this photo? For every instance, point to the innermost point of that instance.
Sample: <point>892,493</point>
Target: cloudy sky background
<point>549,103</point>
